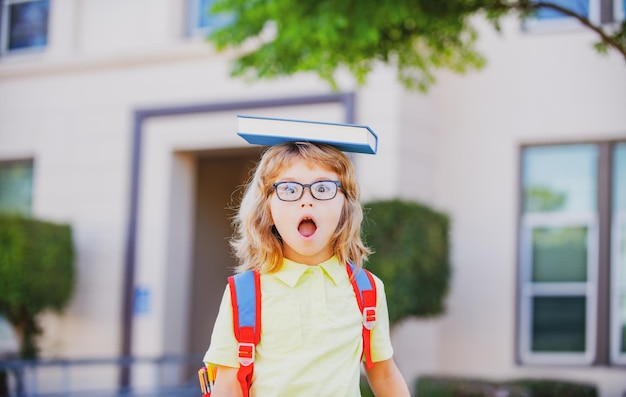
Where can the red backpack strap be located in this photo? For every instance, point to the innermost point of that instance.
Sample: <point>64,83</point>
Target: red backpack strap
<point>365,291</point>
<point>245,294</point>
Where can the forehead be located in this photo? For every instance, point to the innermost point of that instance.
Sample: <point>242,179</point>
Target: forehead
<point>300,168</point>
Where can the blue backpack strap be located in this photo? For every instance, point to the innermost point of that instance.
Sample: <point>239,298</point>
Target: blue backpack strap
<point>365,291</point>
<point>245,293</point>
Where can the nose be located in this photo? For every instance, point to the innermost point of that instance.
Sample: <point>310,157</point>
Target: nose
<point>307,198</point>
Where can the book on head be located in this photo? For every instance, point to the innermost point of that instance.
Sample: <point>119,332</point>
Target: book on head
<point>271,131</point>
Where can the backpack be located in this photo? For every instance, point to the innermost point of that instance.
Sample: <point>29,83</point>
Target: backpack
<point>245,293</point>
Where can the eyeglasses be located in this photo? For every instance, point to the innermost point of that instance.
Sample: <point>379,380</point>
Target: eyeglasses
<point>293,191</point>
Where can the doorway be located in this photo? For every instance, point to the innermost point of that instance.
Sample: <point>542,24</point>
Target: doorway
<point>220,179</point>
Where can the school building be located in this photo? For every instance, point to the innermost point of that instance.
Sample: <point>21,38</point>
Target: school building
<point>121,118</point>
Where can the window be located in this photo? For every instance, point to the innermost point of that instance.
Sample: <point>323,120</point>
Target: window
<point>572,263</point>
<point>548,18</point>
<point>24,25</point>
<point>558,254</point>
<point>580,7</point>
<point>16,186</point>
<point>200,21</point>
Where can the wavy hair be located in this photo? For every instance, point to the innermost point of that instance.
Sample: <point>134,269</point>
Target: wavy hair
<point>256,243</point>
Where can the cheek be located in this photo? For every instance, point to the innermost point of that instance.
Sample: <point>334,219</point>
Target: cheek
<point>339,211</point>
<point>276,211</point>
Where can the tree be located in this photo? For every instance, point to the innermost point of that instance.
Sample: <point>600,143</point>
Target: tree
<point>36,274</point>
<point>416,36</point>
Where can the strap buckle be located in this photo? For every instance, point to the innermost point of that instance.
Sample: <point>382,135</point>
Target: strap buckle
<point>246,353</point>
<point>369,317</point>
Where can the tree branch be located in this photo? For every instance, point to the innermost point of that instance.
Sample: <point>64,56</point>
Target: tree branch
<point>609,40</point>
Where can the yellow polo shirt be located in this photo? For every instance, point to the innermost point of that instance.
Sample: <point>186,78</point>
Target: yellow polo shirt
<point>311,339</point>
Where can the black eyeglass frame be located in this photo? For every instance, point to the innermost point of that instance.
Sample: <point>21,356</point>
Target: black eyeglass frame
<point>305,185</point>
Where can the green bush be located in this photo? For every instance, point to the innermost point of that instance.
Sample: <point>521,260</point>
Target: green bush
<point>549,388</point>
<point>411,245</point>
<point>36,273</point>
<point>446,386</point>
<point>437,386</point>
<point>366,391</point>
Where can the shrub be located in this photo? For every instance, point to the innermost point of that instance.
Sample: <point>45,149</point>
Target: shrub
<point>36,273</point>
<point>549,388</point>
<point>438,386</point>
<point>411,247</point>
<point>446,386</point>
<point>366,391</point>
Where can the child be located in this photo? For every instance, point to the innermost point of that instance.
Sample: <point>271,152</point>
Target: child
<point>298,224</point>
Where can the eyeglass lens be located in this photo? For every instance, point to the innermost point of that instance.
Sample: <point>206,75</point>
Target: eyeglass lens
<point>320,190</point>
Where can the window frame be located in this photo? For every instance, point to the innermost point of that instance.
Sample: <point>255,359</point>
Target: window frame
<point>191,18</point>
<point>617,290</point>
<point>619,11</point>
<point>529,289</point>
<point>5,30</point>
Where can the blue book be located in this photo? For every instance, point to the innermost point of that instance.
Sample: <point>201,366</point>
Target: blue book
<point>270,131</point>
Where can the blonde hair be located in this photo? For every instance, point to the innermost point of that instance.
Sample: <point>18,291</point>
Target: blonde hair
<point>256,243</point>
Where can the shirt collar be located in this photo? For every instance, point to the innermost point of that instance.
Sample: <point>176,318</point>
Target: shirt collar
<point>290,272</point>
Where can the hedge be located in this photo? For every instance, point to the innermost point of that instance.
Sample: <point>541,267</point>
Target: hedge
<point>446,386</point>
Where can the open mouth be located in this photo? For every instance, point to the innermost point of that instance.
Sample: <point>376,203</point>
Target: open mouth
<point>307,227</point>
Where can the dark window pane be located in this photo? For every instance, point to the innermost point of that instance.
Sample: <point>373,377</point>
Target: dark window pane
<point>560,254</point>
<point>559,324</point>
<point>28,25</point>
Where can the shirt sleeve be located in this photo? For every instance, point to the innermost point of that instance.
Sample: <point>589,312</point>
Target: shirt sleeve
<point>381,347</point>
<point>223,347</point>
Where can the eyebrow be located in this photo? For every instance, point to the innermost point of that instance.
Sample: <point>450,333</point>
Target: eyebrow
<point>323,178</point>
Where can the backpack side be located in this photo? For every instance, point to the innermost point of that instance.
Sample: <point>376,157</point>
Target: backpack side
<point>365,290</point>
<point>245,293</point>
